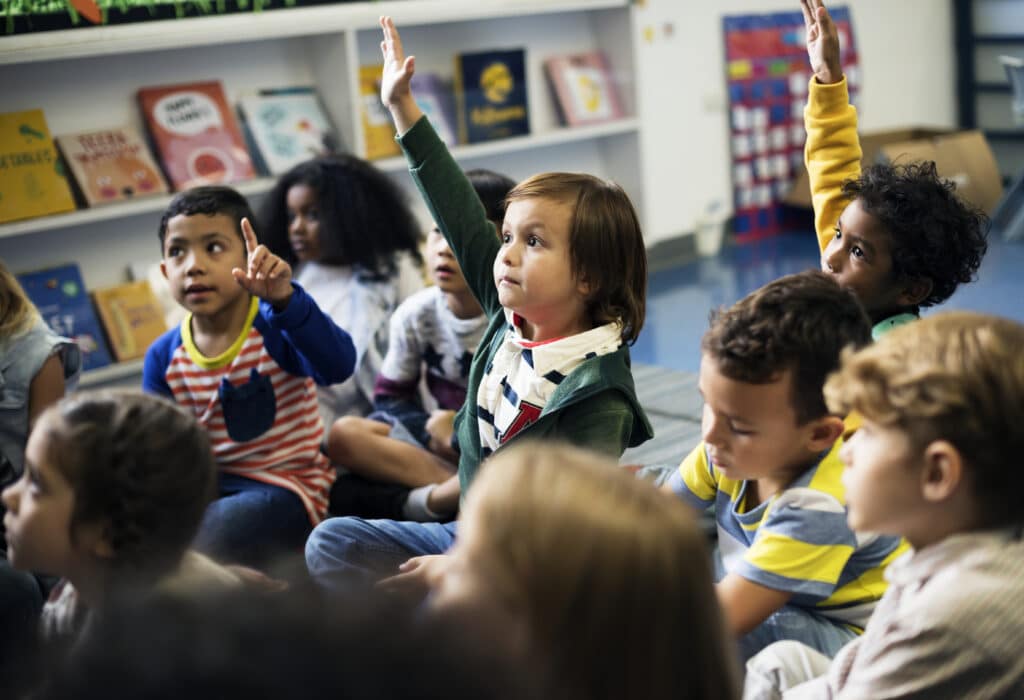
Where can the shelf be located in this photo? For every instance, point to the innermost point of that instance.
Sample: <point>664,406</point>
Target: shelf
<point>269,24</point>
<point>110,373</point>
<point>992,87</point>
<point>999,39</point>
<point>1005,134</point>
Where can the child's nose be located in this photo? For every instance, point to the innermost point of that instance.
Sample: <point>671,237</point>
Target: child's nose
<point>834,258</point>
<point>10,497</point>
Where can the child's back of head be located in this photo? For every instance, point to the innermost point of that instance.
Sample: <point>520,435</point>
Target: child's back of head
<point>211,200</point>
<point>16,310</point>
<point>492,188</point>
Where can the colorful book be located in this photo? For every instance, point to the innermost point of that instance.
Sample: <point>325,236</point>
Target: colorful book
<point>490,88</point>
<point>195,134</point>
<point>436,98</point>
<point>584,88</point>
<point>286,126</point>
<point>32,181</point>
<point>378,130</point>
<point>110,165</point>
<point>132,317</point>
<point>60,296</point>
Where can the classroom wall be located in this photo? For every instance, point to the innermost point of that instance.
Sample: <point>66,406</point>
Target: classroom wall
<point>906,56</point>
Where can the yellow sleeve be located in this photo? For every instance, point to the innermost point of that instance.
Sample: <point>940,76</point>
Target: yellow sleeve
<point>832,153</point>
<point>697,477</point>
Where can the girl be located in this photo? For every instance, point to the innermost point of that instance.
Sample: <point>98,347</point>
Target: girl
<point>590,577</point>
<point>354,244</point>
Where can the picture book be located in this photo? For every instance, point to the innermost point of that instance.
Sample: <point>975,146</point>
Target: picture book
<point>32,181</point>
<point>285,127</point>
<point>490,88</point>
<point>132,318</point>
<point>378,130</point>
<point>195,134</point>
<point>60,296</point>
<point>110,165</point>
<point>584,88</point>
<point>435,97</point>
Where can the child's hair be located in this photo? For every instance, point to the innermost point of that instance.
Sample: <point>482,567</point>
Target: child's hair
<point>492,188</point>
<point>935,234</point>
<point>798,322</point>
<point>606,245</point>
<point>956,376</point>
<point>17,312</point>
<point>364,215</point>
<point>613,578</point>
<point>139,464</point>
<point>209,200</point>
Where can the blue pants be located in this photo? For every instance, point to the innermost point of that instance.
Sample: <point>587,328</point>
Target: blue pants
<point>344,554</point>
<point>252,523</point>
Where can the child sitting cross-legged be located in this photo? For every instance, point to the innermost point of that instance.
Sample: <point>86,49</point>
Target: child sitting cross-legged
<point>791,567</point>
<point>934,461</point>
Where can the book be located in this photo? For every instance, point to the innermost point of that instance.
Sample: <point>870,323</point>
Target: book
<point>378,130</point>
<point>59,295</point>
<point>285,126</point>
<point>32,181</point>
<point>110,165</point>
<point>584,88</point>
<point>490,88</point>
<point>436,98</point>
<point>131,316</point>
<point>195,134</point>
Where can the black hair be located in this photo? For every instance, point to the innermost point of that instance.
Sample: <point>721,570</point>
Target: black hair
<point>492,188</point>
<point>209,200</point>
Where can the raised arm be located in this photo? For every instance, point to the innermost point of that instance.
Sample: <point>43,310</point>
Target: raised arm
<point>395,92</point>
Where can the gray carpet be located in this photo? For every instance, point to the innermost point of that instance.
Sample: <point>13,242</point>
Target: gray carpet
<point>673,406</point>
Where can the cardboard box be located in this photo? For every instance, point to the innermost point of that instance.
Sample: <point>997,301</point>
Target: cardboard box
<point>961,156</point>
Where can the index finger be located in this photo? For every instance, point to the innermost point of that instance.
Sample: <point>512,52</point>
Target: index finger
<point>249,236</point>
<point>391,36</point>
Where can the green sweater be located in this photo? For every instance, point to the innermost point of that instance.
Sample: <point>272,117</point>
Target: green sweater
<point>596,405</point>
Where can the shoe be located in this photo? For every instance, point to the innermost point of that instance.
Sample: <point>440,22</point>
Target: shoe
<point>354,495</point>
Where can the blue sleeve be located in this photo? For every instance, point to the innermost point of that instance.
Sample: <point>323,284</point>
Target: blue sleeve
<point>304,341</point>
<point>158,358</point>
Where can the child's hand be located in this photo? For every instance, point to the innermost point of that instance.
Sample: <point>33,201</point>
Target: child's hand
<point>395,92</point>
<point>822,42</point>
<point>417,576</point>
<point>268,276</point>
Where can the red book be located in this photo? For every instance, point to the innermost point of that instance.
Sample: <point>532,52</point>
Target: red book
<point>195,134</point>
<point>584,88</point>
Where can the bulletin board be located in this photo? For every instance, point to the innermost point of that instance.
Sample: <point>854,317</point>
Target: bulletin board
<point>767,73</point>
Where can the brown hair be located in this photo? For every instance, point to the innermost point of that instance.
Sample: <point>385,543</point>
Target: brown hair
<point>606,244</point>
<point>955,376</point>
<point>613,577</point>
<point>798,322</point>
<point>17,312</point>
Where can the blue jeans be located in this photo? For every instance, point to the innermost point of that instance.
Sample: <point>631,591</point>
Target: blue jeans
<point>344,554</point>
<point>252,523</point>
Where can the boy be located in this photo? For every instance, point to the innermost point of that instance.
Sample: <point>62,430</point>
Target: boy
<point>247,369</point>
<point>791,568</point>
<point>898,236</point>
<point>942,402</point>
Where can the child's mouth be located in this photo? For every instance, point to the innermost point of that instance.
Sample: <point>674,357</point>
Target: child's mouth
<point>197,289</point>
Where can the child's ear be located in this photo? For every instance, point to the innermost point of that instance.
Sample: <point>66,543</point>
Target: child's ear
<point>915,290</point>
<point>163,269</point>
<point>94,538</point>
<point>943,471</point>
<point>824,432</point>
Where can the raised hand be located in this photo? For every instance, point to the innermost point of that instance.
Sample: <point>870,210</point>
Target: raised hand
<point>267,276</point>
<point>822,42</point>
<point>395,92</point>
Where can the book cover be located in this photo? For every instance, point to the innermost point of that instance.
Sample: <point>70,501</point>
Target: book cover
<point>436,98</point>
<point>60,296</point>
<point>490,87</point>
<point>584,88</point>
<point>378,129</point>
<point>287,126</point>
<point>32,181</point>
<point>195,134</point>
<point>132,318</point>
<point>110,165</point>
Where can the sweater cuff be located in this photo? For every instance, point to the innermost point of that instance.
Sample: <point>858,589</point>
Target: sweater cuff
<point>827,98</point>
<point>294,314</point>
<point>419,142</point>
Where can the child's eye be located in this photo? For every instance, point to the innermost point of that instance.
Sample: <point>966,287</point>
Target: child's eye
<point>857,252</point>
<point>215,247</point>
<point>532,241</point>
<point>313,215</point>
<point>505,238</point>
<point>839,233</point>
<point>174,251</point>
<point>738,431</point>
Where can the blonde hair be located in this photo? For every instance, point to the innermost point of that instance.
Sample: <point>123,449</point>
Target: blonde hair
<point>17,312</point>
<point>955,376</point>
<point>613,577</point>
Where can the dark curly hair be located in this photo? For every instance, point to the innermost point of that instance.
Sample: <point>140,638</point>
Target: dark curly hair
<point>364,215</point>
<point>492,188</point>
<point>138,463</point>
<point>935,234</point>
<point>800,322</point>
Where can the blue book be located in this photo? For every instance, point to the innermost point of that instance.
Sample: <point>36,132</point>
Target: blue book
<point>60,296</point>
<point>491,90</point>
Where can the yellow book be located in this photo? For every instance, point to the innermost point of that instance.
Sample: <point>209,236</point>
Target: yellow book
<point>32,181</point>
<point>131,316</point>
<point>378,130</point>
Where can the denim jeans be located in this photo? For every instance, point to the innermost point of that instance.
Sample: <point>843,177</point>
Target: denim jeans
<point>252,523</point>
<point>344,554</point>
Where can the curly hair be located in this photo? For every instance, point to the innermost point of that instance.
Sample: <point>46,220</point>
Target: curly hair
<point>138,463</point>
<point>799,322</point>
<point>209,200</point>
<point>364,215</point>
<point>935,234</point>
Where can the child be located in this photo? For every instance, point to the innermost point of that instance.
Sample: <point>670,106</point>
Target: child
<point>898,236</point>
<point>436,330</point>
<point>791,567</point>
<point>348,231</point>
<point>246,369</point>
<point>594,578</point>
<point>114,487</point>
<point>942,403</point>
<point>564,289</point>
